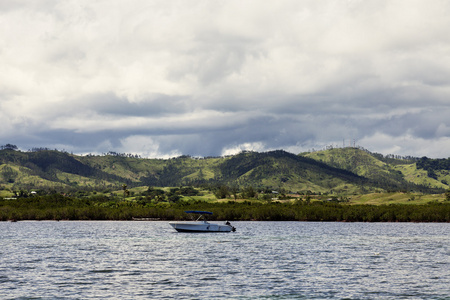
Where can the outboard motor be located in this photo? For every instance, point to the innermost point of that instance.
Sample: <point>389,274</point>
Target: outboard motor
<point>232,227</point>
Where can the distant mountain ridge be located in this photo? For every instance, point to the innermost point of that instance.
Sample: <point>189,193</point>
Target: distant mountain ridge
<point>339,170</point>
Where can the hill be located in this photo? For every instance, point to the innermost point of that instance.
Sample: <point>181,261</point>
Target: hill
<point>280,169</point>
<point>335,171</point>
<point>387,172</point>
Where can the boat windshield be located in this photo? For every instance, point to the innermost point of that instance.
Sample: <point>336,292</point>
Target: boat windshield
<point>199,212</point>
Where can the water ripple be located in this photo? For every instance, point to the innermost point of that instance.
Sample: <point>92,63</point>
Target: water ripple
<point>262,260</point>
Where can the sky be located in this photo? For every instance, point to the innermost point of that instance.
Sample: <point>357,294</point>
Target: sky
<point>210,78</point>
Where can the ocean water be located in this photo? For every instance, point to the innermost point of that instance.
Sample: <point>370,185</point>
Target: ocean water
<point>262,260</point>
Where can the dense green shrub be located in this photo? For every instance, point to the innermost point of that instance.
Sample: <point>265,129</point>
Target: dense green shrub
<point>58,207</point>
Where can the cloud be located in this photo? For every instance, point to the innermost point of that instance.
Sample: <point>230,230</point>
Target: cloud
<point>205,78</point>
<point>418,146</point>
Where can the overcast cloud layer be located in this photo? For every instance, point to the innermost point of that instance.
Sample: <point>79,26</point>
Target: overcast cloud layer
<point>165,78</point>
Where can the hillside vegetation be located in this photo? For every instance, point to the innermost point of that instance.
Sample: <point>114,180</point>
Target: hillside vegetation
<point>342,171</point>
<point>388,173</point>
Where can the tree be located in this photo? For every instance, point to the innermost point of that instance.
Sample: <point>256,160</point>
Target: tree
<point>160,198</point>
<point>200,174</point>
<point>447,195</point>
<point>173,198</point>
<point>9,174</point>
<point>248,192</point>
<point>234,191</point>
<point>222,192</point>
<point>126,192</point>
<point>8,147</point>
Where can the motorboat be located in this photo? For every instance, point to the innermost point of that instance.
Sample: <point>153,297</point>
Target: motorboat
<point>200,225</point>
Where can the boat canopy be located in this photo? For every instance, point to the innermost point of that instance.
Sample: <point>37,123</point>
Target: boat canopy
<point>198,212</point>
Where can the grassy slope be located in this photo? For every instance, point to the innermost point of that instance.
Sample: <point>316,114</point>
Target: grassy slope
<point>24,176</point>
<point>419,176</point>
<point>352,159</point>
<point>125,167</point>
<point>279,169</point>
<point>364,164</point>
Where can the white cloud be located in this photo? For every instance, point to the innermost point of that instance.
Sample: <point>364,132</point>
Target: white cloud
<point>258,146</point>
<point>408,145</point>
<point>145,146</point>
<point>288,74</point>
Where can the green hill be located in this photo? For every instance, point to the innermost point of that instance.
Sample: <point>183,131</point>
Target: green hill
<point>385,172</point>
<point>283,170</point>
<point>334,171</point>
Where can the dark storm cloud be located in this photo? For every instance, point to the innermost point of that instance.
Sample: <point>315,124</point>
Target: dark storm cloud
<point>152,105</point>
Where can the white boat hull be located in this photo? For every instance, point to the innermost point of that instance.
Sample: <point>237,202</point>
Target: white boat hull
<point>200,226</point>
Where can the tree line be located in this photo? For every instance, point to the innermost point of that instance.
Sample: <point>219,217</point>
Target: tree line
<point>426,163</point>
<point>58,207</point>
